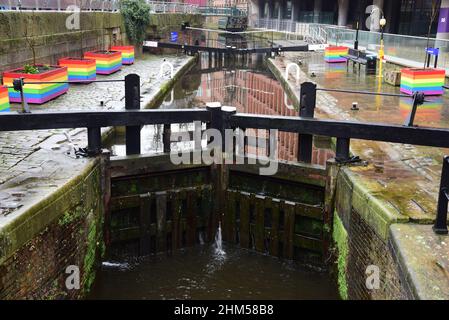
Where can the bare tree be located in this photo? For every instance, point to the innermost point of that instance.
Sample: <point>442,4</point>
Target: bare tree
<point>30,36</point>
<point>433,15</point>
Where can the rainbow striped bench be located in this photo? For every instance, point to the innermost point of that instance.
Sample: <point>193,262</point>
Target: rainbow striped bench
<point>79,69</point>
<point>334,54</point>
<point>36,92</point>
<point>4,99</point>
<point>107,62</point>
<point>127,53</point>
<point>428,81</point>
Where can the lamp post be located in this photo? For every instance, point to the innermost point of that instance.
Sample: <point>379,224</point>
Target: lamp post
<point>382,24</point>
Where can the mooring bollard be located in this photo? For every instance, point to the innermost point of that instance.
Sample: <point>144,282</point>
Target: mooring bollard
<point>93,141</point>
<point>342,150</point>
<point>418,99</point>
<point>440,226</point>
<point>132,102</point>
<point>306,110</point>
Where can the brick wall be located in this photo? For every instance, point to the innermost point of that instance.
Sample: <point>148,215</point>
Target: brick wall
<point>367,248</point>
<point>36,270</point>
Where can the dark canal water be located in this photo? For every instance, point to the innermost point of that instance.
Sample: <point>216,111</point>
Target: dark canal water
<point>202,273</point>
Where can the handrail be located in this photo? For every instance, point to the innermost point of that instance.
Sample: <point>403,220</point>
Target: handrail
<point>224,118</point>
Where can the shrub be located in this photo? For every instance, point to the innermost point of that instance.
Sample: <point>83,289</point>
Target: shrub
<point>136,14</point>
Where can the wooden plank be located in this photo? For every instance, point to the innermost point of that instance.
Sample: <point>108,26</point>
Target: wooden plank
<point>274,240</point>
<point>244,220</point>
<point>183,220</point>
<point>127,202</point>
<point>191,218</point>
<point>161,212</point>
<point>309,211</point>
<point>346,129</point>
<point>206,211</point>
<point>230,213</point>
<point>176,207</point>
<point>89,119</point>
<point>259,230</point>
<point>289,227</point>
<point>145,222</point>
<point>308,243</point>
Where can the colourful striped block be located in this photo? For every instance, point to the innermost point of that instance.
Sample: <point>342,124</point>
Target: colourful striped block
<point>38,93</point>
<point>428,81</point>
<point>335,70</point>
<point>80,69</point>
<point>335,54</point>
<point>4,99</point>
<point>429,113</point>
<point>127,53</point>
<point>108,62</point>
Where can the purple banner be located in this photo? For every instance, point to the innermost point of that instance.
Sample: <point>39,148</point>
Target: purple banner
<point>443,22</point>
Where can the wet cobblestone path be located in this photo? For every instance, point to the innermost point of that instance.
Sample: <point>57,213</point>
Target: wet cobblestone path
<point>406,177</point>
<point>35,163</point>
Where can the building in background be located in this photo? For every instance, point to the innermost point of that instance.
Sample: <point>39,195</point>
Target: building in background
<point>201,3</point>
<point>408,17</point>
<point>240,4</point>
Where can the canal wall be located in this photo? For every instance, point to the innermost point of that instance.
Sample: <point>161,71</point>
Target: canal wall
<point>48,34</point>
<point>65,229</point>
<point>157,207</point>
<point>53,35</point>
<point>57,202</point>
<point>375,233</point>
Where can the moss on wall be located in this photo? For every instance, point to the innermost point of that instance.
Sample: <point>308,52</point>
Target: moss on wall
<point>340,239</point>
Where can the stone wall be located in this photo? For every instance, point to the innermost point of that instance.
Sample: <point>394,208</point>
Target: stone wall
<point>361,237</point>
<point>64,230</point>
<point>48,34</point>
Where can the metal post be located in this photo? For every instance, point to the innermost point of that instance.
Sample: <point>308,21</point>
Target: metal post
<point>440,226</point>
<point>342,150</point>
<point>166,138</point>
<point>93,141</point>
<point>356,43</point>
<point>418,99</point>
<point>306,110</point>
<point>132,102</point>
<point>215,118</point>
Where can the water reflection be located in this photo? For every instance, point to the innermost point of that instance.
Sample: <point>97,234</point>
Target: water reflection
<point>241,82</point>
<point>196,274</point>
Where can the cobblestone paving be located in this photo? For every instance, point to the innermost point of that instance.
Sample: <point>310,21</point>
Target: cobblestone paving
<point>405,176</point>
<point>35,163</point>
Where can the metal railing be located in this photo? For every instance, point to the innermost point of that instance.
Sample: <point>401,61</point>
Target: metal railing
<point>173,7</point>
<point>216,11</point>
<point>60,5</point>
<point>401,49</point>
<point>226,118</point>
<point>94,5</point>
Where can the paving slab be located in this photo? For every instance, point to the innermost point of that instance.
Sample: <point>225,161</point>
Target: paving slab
<point>34,164</point>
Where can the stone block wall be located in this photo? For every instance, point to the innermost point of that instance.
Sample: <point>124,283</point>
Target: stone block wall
<point>47,32</point>
<point>362,240</point>
<point>66,231</point>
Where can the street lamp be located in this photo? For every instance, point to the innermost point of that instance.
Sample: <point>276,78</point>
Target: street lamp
<point>382,23</point>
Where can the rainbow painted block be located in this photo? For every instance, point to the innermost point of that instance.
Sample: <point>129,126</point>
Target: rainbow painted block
<point>108,62</point>
<point>429,114</point>
<point>127,53</point>
<point>335,54</point>
<point>80,69</point>
<point>4,99</point>
<point>428,81</point>
<point>37,92</point>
